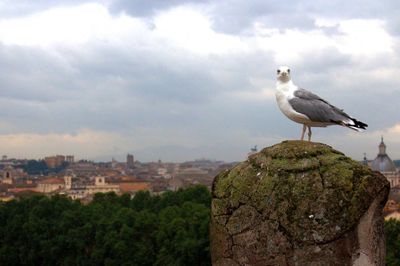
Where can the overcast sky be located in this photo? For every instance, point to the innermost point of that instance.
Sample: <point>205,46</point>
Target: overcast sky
<point>180,80</point>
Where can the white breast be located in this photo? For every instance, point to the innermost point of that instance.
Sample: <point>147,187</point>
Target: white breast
<point>283,94</point>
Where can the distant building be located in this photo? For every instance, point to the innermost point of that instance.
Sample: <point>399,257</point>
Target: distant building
<point>159,185</point>
<point>83,168</point>
<point>113,163</point>
<point>130,162</point>
<point>54,161</point>
<point>175,183</point>
<point>390,207</point>
<point>133,187</point>
<point>70,158</point>
<point>386,166</point>
<point>101,186</point>
<point>50,185</point>
<point>23,190</point>
<point>68,182</point>
<point>192,173</point>
<point>394,215</point>
<point>163,172</point>
<point>100,181</point>
<point>10,175</point>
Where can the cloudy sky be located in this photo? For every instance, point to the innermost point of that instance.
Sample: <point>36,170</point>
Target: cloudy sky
<point>179,80</point>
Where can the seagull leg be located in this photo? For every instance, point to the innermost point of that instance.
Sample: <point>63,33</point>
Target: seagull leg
<point>309,133</point>
<point>304,131</point>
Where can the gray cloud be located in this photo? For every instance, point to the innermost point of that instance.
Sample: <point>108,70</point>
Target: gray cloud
<point>10,8</point>
<point>237,16</point>
<point>181,105</point>
<point>147,8</point>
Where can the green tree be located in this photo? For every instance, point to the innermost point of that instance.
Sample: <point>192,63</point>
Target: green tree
<point>183,235</point>
<point>171,229</point>
<point>392,232</point>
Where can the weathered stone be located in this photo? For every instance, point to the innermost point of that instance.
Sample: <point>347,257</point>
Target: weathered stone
<point>298,203</point>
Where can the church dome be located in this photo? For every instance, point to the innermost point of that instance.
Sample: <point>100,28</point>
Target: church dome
<point>382,162</point>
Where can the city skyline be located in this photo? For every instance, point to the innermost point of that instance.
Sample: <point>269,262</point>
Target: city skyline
<point>124,157</point>
<point>180,80</point>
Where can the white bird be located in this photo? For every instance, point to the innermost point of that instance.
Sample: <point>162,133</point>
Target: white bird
<point>308,109</point>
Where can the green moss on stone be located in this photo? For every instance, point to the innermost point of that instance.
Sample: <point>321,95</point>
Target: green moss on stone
<point>312,191</point>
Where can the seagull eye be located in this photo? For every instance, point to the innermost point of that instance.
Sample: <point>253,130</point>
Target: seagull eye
<point>278,71</point>
<point>288,71</point>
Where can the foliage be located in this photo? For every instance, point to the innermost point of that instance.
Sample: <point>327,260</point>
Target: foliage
<point>392,232</point>
<point>34,167</point>
<point>171,229</point>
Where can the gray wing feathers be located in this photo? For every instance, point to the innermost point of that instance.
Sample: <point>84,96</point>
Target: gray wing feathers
<point>305,94</point>
<point>316,108</point>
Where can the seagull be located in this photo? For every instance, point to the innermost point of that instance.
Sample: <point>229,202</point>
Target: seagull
<point>306,108</point>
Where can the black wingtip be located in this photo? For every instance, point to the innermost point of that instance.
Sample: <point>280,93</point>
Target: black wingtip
<point>358,125</point>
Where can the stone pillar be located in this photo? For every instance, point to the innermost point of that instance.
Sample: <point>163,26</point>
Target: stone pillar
<point>298,203</point>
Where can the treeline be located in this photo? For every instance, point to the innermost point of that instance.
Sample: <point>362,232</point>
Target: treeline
<point>392,231</point>
<point>171,229</point>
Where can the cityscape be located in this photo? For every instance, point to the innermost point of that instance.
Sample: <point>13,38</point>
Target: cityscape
<point>82,179</point>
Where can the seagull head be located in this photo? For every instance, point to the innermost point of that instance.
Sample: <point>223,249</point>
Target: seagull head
<point>283,74</point>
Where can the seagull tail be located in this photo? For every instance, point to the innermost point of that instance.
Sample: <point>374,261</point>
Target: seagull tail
<point>355,124</point>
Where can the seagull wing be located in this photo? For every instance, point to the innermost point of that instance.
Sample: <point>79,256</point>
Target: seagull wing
<point>316,108</point>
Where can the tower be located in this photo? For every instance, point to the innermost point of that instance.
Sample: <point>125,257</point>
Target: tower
<point>130,162</point>
<point>382,147</point>
<point>68,181</point>
<point>8,175</point>
<point>99,181</point>
<point>385,165</point>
